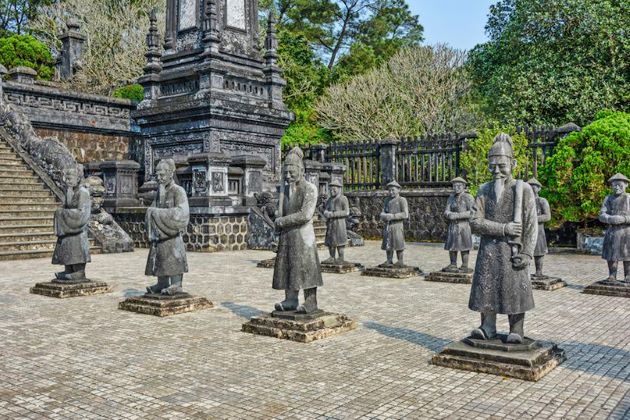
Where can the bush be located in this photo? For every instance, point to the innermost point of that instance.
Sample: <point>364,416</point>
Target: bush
<point>134,92</point>
<point>576,175</point>
<point>25,50</point>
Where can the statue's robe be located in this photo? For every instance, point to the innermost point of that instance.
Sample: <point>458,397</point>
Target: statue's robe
<point>459,236</point>
<point>543,212</point>
<point>394,231</point>
<point>336,234</point>
<point>497,286</point>
<point>297,263</point>
<point>71,228</point>
<point>165,222</point>
<point>617,237</point>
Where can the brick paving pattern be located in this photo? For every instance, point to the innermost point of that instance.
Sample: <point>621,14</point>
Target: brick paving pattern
<point>83,358</point>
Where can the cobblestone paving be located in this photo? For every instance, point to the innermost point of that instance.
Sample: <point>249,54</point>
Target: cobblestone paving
<point>83,358</point>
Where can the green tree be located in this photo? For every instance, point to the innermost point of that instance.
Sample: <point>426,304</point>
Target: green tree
<point>24,50</point>
<point>553,61</point>
<point>16,14</point>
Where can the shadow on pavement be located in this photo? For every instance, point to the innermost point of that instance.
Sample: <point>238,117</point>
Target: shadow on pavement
<point>425,340</point>
<point>242,310</point>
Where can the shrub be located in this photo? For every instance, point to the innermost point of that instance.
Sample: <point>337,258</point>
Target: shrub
<point>25,50</point>
<point>134,92</point>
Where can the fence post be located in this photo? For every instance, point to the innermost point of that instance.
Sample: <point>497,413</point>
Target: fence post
<point>387,160</point>
<point>318,152</point>
<point>3,71</point>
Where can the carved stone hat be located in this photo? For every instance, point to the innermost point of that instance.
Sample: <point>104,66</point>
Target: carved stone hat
<point>335,183</point>
<point>394,184</point>
<point>502,146</point>
<point>534,181</point>
<point>618,177</point>
<point>294,157</point>
<point>459,179</point>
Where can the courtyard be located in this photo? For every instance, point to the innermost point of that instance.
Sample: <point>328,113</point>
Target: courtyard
<point>83,358</point>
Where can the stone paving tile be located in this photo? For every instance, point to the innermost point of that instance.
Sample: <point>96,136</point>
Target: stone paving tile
<point>83,358</point>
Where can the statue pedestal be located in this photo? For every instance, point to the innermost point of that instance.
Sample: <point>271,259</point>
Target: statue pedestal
<point>303,328</point>
<point>529,361</point>
<point>70,288</point>
<point>164,305</point>
<point>547,283</point>
<point>609,288</point>
<point>270,263</point>
<point>393,272</point>
<point>449,277</point>
<point>340,267</point>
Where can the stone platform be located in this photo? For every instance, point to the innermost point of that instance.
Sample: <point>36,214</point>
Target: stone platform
<point>164,305</point>
<point>529,361</point>
<point>269,263</point>
<point>609,288</point>
<point>547,283</point>
<point>340,268</point>
<point>393,272</point>
<point>70,288</point>
<point>303,328</point>
<point>449,277</point>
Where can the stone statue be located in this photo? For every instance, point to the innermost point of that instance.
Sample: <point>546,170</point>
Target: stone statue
<point>505,218</point>
<point>71,227</point>
<point>395,212</point>
<point>459,211</point>
<point>543,212</point>
<point>336,211</point>
<point>616,213</point>
<point>165,220</point>
<point>297,263</point>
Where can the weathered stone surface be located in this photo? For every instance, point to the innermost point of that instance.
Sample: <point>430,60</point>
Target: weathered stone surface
<point>165,305</point>
<point>445,277</point>
<point>547,283</point>
<point>393,272</point>
<point>268,263</point>
<point>340,267</point>
<point>303,328</point>
<point>529,361</point>
<point>67,289</point>
<point>609,288</point>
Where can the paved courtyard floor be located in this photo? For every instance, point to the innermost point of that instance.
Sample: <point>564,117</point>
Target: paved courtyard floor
<point>83,358</point>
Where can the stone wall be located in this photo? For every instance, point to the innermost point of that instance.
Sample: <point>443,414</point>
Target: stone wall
<point>90,147</point>
<point>426,208</point>
<point>205,233</point>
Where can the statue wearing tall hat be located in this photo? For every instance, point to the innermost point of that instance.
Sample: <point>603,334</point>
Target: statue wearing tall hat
<point>395,212</point>
<point>505,218</point>
<point>543,215</point>
<point>459,210</point>
<point>336,211</point>
<point>615,212</point>
<point>297,263</point>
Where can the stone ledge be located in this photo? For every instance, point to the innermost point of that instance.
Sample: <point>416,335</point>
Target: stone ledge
<point>393,272</point>
<point>528,365</point>
<point>609,288</point>
<point>445,277</point>
<point>304,330</point>
<point>58,289</point>
<point>164,305</point>
<point>547,283</point>
<point>341,268</point>
<point>268,263</point>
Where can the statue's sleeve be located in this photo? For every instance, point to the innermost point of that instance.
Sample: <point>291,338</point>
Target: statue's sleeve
<point>545,211</point>
<point>479,224</point>
<point>73,221</point>
<point>169,222</point>
<point>530,222</point>
<point>449,201</point>
<point>306,211</point>
<point>469,212</point>
<point>345,209</point>
<point>404,214</point>
<point>604,216</point>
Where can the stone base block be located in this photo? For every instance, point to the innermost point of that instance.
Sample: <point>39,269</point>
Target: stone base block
<point>393,272</point>
<point>446,277</point>
<point>529,361</point>
<point>609,288</point>
<point>303,328</point>
<point>164,305</point>
<point>270,263</point>
<point>67,288</point>
<point>547,283</point>
<point>341,268</point>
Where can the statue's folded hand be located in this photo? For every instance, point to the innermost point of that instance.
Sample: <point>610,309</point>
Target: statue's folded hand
<point>520,261</point>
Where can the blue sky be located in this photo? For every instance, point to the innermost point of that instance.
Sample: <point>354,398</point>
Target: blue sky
<point>459,23</point>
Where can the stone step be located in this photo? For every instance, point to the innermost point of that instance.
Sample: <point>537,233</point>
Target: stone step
<point>23,255</point>
<point>42,219</point>
<point>20,181</point>
<point>27,237</point>
<point>26,214</point>
<point>8,155</point>
<point>24,228</point>
<point>23,188</point>
<point>27,245</point>
<point>4,205</point>
<point>30,195</point>
<point>18,172</point>
<point>11,163</point>
<point>27,199</point>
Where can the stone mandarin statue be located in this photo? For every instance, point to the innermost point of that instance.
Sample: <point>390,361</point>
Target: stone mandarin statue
<point>71,225</point>
<point>459,211</point>
<point>543,215</point>
<point>165,220</point>
<point>615,212</point>
<point>336,211</point>
<point>297,263</point>
<point>505,218</point>
<point>395,212</point>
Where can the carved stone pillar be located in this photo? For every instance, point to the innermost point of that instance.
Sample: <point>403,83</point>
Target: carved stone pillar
<point>120,178</point>
<point>209,179</point>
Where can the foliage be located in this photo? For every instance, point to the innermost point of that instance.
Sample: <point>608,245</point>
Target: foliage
<point>115,34</point>
<point>134,92</point>
<point>420,90</point>
<point>24,50</point>
<point>474,158</point>
<point>553,61</point>
<point>576,174</point>
<point>16,14</point>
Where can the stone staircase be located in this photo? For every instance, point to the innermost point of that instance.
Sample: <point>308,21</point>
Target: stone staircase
<point>320,232</point>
